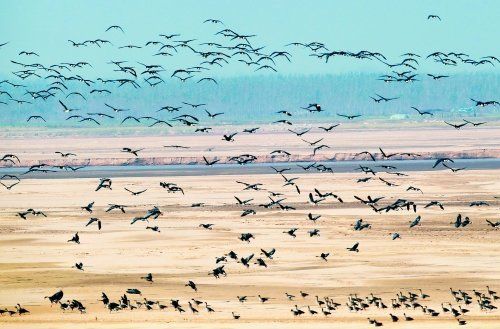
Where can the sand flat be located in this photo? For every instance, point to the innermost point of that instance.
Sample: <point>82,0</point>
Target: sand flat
<point>36,260</point>
<point>344,142</point>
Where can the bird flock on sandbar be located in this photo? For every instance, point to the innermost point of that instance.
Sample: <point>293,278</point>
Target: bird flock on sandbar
<point>63,83</point>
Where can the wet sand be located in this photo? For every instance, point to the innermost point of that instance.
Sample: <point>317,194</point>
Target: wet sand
<point>36,260</point>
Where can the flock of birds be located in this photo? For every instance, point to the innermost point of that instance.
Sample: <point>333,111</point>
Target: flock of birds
<point>67,82</point>
<point>324,305</point>
<point>60,78</point>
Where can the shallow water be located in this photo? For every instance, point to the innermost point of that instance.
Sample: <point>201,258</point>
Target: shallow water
<point>254,168</point>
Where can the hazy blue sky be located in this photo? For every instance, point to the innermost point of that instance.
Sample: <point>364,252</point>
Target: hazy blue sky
<point>391,27</point>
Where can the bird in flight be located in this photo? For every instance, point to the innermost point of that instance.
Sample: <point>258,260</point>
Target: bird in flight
<point>210,163</point>
<point>475,124</point>
<point>65,155</point>
<point>134,193</point>
<point>329,128</point>
<point>350,117</point>
<point>114,27</point>
<point>314,107</point>
<point>36,117</point>
<point>28,53</point>
<point>437,77</point>
<point>66,109</point>
<point>95,220</point>
<point>213,21</point>
<point>485,103</point>
<point>432,16</point>
<point>422,112</point>
<point>131,151</point>
<point>229,138</point>
<point>382,98</point>
<point>443,161</point>
<point>458,125</point>
<point>213,115</point>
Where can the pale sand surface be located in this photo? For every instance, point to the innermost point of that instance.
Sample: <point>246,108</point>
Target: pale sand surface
<point>36,260</point>
<point>344,142</point>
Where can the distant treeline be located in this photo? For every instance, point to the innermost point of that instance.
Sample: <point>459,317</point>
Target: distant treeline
<point>257,98</point>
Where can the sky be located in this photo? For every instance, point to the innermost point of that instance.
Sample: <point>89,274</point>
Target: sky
<point>392,27</point>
